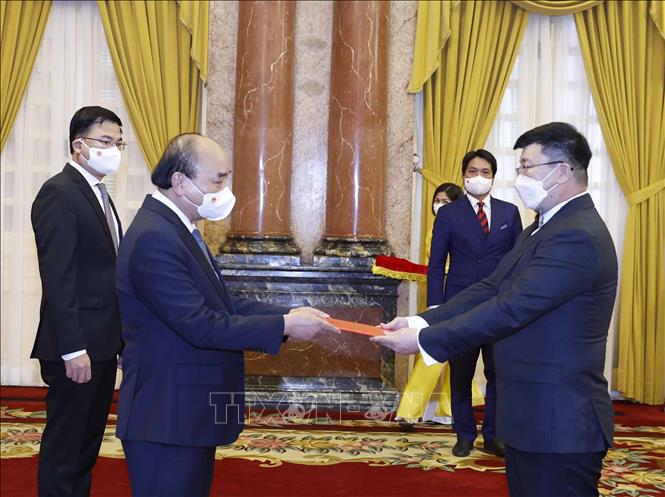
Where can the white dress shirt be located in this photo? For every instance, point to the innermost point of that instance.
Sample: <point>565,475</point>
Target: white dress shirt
<point>419,323</point>
<point>160,197</point>
<point>93,182</point>
<point>487,207</point>
<point>549,214</point>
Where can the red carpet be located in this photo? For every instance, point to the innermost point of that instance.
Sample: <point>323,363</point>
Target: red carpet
<point>350,457</point>
<point>237,477</point>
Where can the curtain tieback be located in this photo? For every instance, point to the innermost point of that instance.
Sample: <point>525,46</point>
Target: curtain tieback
<point>431,177</point>
<point>645,193</point>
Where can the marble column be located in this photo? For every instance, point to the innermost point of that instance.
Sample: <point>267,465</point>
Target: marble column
<point>357,126</point>
<point>263,132</point>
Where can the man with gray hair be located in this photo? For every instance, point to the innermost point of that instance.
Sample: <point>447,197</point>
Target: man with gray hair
<point>183,382</point>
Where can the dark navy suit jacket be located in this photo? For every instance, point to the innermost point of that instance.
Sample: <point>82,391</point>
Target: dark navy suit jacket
<point>183,377</point>
<point>549,305</point>
<point>473,256</point>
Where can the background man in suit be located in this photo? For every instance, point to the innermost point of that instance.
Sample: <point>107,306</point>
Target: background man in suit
<point>547,307</point>
<point>77,230</point>
<point>475,231</point>
<point>182,392</point>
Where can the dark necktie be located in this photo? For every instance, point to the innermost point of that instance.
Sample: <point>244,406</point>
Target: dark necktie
<point>204,248</point>
<point>109,214</point>
<point>482,219</point>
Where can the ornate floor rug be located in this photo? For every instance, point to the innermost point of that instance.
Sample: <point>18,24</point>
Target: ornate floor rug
<point>286,454</point>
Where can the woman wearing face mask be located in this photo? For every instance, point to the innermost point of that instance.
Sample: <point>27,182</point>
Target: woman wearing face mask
<point>424,379</point>
<point>474,233</point>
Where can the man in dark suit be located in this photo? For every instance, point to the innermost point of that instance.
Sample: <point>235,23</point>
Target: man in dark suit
<point>182,392</point>
<point>475,231</point>
<point>547,307</point>
<point>77,230</point>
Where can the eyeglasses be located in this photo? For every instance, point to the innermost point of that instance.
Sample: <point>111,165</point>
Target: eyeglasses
<point>108,143</point>
<point>522,168</point>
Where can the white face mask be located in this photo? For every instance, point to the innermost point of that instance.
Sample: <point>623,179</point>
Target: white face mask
<point>436,206</point>
<point>103,160</point>
<point>478,185</point>
<point>531,191</point>
<point>215,206</point>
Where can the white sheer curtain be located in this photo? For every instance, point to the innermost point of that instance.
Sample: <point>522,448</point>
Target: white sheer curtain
<point>549,83</point>
<point>73,69</point>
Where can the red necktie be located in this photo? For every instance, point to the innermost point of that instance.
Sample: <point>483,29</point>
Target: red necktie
<point>482,219</point>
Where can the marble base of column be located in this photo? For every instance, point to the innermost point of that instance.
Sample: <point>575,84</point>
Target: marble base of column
<point>260,251</point>
<point>349,252</point>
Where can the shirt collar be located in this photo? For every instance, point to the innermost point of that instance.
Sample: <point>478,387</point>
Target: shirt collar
<point>474,202</point>
<point>85,173</point>
<point>546,216</point>
<point>160,197</point>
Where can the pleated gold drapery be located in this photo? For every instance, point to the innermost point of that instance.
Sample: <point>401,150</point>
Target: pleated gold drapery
<point>21,28</point>
<point>159,51</point>
<point>556,7</point>
<point>477,61</point>
<point>624,56</point>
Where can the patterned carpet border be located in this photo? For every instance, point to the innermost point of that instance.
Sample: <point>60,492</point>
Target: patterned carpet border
<point>635,467</point>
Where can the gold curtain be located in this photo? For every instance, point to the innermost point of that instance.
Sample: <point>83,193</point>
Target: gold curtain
<point>463,95</point>
<point>624,56</point>
<point>194,16</point>
<point>556,7</point>
<point>159,51</point>
<point>657,12</point>
<point>21,28</point>
<point>432,33</point>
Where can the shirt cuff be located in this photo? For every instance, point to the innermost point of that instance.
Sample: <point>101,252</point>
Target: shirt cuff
<point>427,359</point>
<point>419,323</point>
<point>416,322</point>
<point>72,355</point>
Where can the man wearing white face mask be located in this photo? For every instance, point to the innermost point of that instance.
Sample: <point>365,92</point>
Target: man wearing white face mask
<point>77,231</point>
<point>475,232</point>
<point>182,391</point>
<point>547,309</point>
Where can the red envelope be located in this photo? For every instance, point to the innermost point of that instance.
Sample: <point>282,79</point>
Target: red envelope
<point>361,329</point>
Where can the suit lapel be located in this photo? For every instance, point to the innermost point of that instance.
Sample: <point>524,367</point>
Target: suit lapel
<point>85,187</point>
<point>525,240</point>
<point>205,264</point>
<point>473,226</point>
<point>193,247</point>
<point>498,219</point>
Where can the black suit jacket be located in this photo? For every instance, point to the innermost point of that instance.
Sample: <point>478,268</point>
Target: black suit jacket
<point>79,308</point>
<point>183,370</point>
<point>547,307</point>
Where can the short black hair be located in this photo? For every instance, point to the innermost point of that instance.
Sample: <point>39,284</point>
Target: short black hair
<point>179,157</point>
<point>452,191</point>
<point>560,141</point>
<point>85,118</point>
<point>483,154</point>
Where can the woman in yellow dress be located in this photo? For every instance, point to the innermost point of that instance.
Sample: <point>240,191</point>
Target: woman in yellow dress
<point>423,380</point>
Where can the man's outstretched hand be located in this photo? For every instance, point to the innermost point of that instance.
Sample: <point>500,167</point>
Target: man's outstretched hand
<point>306,325</point>
<point>402,341</point>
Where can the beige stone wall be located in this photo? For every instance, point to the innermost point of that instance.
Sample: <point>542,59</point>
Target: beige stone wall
<point>312,84</point>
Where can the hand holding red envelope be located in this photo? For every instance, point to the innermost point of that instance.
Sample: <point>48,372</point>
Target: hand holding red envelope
<point>359,328</point>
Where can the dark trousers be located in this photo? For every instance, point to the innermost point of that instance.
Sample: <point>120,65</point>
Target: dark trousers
<point>76,415</point>
<point>160,470</point>
<point>462,369</point>
<point>553,475</point>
